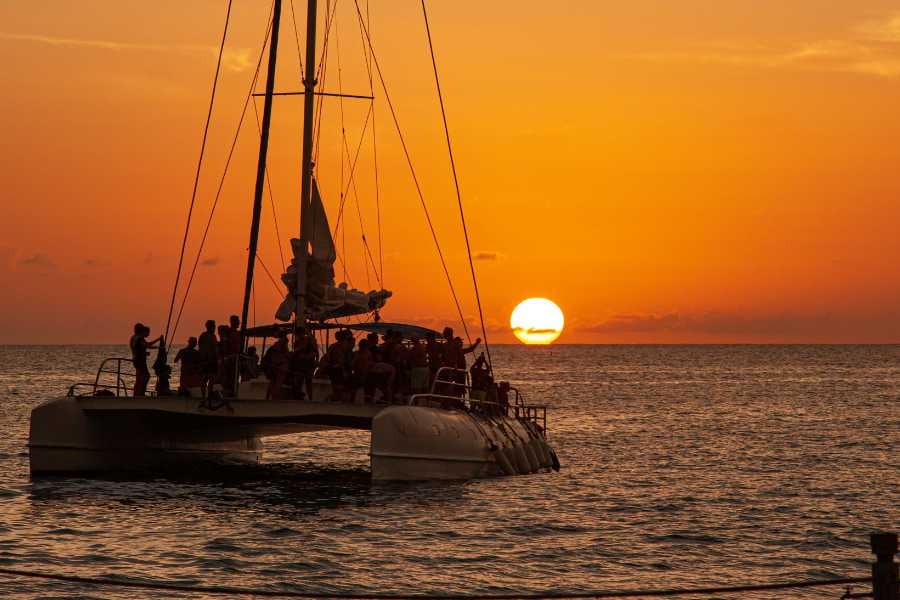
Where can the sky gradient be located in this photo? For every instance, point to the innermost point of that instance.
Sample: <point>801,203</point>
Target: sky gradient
<point>700,171</point>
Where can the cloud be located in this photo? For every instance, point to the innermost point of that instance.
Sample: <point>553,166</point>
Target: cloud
<point>233,59</point>
<point>485,256</point>
<point>534,330</point>
<point>38,261</point>
<point>885,29</point>
<point>870,48</point>
<point>96,263</point>
<point>210,262</point>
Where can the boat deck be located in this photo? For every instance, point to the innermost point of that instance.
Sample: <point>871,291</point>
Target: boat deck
<point>272,416</point>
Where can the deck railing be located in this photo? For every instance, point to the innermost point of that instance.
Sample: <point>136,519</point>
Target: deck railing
<point>119,386</point>
<point>438,398</point>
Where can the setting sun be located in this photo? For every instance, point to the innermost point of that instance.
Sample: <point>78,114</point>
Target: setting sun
<point>537,321</point>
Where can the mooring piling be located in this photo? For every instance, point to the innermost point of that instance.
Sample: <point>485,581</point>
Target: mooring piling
<point>885,571</point>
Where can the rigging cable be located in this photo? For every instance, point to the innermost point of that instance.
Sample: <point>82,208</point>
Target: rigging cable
<point>462,215</point>
<point>297,37</point>
<point>412,170</point>
<point>187,225</point>
<point>374,152</point>
<point>215,203</point>
<point>271,197</point>
<point>345,152</point>
<point>278,290</point>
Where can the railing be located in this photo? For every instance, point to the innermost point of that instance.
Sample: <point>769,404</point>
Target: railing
<point>534,413</point>
<point>452,381</point>
<point>119,387</point>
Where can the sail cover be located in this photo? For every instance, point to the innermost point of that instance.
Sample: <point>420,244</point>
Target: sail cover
<point>316,229</point>
<point>324,300</point>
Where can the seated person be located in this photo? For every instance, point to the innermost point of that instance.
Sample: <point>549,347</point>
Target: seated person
<point>250,365</point>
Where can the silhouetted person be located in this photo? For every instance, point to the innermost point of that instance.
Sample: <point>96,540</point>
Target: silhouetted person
<point>435,354</point>
<point>191,374</point>
<point>419,373</point>
<point>225,361</point>
<point>139,352</point>
<point>275,365</point>
<point>362,363</point>
<point>304,359</point>
<point>234,335</point>
<point>481,378</point>
<point>250,365</point>
<point>207,345</point>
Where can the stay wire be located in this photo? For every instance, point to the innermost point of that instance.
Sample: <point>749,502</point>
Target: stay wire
<point>187,225</point>
<point>412,170</point>
<point>375,155</point>
<point>278,237</point>
<point>215,203</point>
<point>462,215</point>
<point>297,38</point>
<point>269,593</point>
<point>278,291</point>
<point>345,153</point>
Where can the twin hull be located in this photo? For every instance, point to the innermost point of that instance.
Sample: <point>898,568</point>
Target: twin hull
<point>90,434</point>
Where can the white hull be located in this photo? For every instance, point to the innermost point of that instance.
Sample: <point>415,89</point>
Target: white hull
<point>418,443</point>
<point>99,433</point>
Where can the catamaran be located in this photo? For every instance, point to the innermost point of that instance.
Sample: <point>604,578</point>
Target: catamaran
<point>446,431</point>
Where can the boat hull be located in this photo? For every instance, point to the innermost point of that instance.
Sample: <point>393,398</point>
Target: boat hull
<point>408,442</point>
<point>414,443</point>
<point>65,438</point>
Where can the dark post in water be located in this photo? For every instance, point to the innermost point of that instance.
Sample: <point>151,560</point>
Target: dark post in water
<point>885,572</point>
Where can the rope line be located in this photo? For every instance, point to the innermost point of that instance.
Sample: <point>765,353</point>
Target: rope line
<point>187,225</point>
<point>215,203</point>
<point>412,170</point>
<point>278,291</point>
<point>462,215</point>
<point>238,591</point>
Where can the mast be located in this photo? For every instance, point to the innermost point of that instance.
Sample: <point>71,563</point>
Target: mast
<point>309,86</point>
<point>261,165</point>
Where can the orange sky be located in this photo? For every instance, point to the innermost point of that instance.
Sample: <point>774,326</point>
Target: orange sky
<point>697,171</point>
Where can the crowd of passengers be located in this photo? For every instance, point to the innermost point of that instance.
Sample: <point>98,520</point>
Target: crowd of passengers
<point>214,363</point>
<point>388,365</point>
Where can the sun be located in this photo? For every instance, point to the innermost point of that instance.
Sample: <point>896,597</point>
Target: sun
<point>537,321</point>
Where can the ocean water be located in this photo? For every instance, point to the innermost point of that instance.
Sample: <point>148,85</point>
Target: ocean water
<point>682,466</point>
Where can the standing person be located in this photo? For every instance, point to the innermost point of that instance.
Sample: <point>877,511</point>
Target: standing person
<point>191,375</point>
<point>419,373</point>
<point>338,364</point>
<point>275,365</point>
<point>435,354</point>
<point>362,363</point>
<point>304,359</point>
<point>207,345</point>
<point>139,352</point>
<point>455,358</point>
<point>235,342</point>
<point>250,365</point>
<point>224,360</point>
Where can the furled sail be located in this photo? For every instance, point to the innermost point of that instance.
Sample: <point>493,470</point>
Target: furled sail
<point>324,300</point>
<point>316,229</point>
